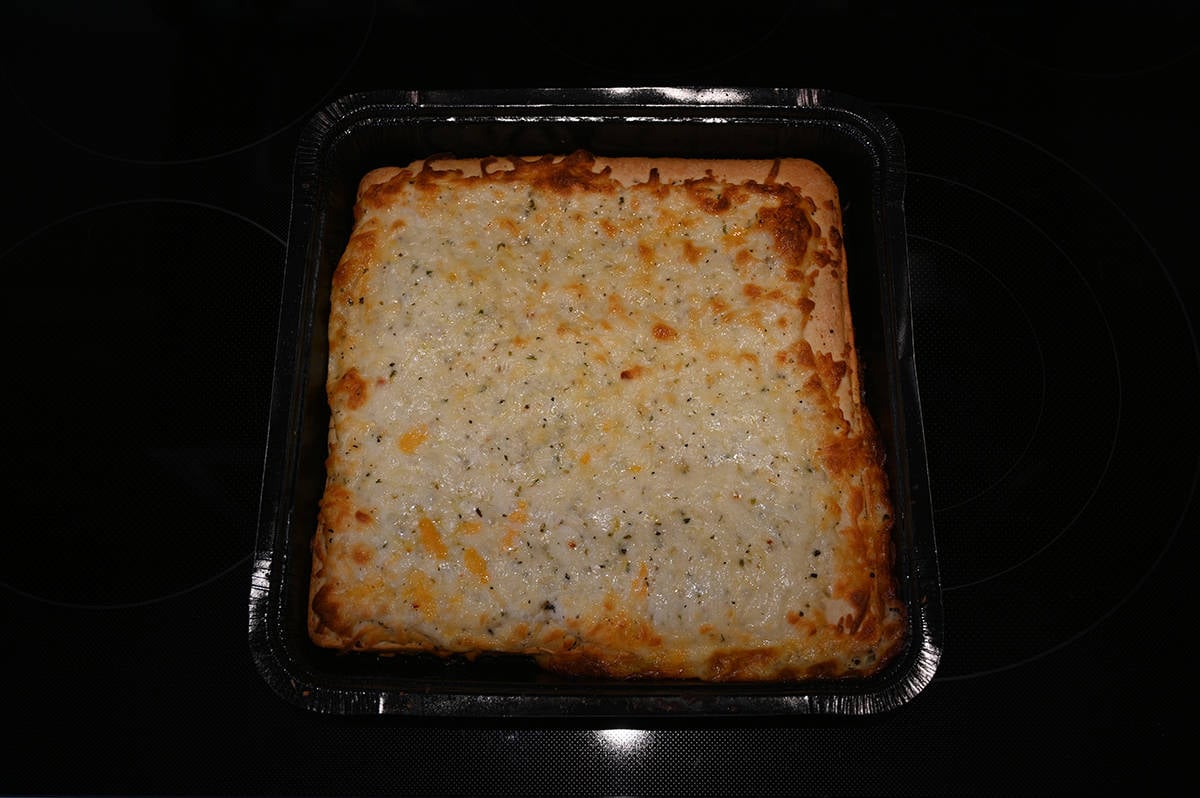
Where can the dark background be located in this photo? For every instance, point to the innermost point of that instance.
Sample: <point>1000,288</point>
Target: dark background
<point>1052,180</point>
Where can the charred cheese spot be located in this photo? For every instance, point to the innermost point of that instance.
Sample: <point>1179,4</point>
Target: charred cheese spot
<point>664,332</point>
<point>645,253</point>
<point>353,389</point>
<point>791,227</point>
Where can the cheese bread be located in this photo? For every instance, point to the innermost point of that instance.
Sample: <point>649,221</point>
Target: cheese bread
<point>604,413</point>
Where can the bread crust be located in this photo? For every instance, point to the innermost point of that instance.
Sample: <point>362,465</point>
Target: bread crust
<point>860,625</point>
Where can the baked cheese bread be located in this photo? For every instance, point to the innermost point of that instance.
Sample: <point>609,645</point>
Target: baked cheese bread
<point>605,413</point>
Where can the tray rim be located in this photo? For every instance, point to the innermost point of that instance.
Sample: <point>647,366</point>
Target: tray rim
<point>653,105</point>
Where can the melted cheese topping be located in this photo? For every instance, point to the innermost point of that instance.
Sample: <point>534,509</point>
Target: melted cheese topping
<point>581,419</point>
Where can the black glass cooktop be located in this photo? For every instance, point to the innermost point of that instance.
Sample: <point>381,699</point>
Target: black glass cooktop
<point>1051,181</point>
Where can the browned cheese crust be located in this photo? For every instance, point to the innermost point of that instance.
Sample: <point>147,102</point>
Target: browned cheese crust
<point>399,566</point>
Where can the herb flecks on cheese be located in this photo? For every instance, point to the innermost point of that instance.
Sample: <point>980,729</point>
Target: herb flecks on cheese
<point>609,422</point>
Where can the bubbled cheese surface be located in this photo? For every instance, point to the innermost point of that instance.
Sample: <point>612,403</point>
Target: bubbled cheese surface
<point>571,421</point>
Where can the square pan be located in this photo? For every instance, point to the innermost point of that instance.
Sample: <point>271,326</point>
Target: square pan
<point>863,152</point>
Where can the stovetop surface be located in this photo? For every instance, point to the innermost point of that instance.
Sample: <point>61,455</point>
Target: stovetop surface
<point>1051,200</point>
